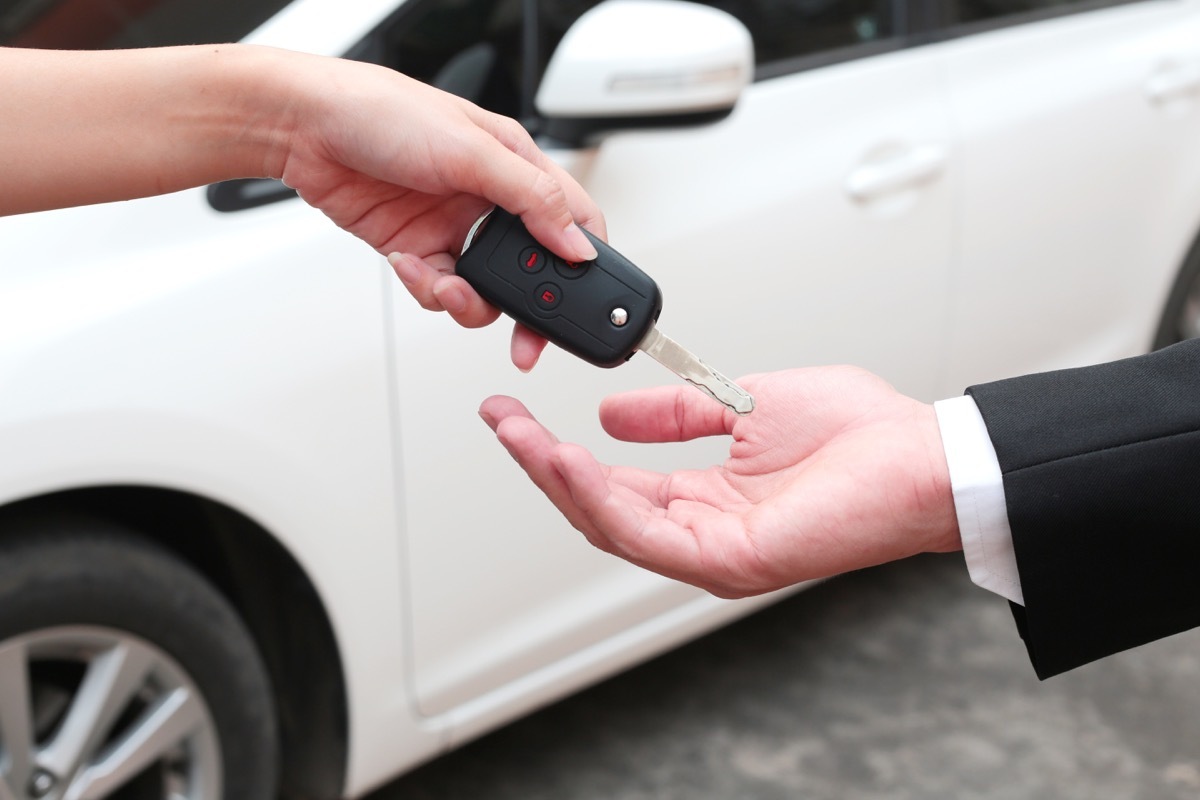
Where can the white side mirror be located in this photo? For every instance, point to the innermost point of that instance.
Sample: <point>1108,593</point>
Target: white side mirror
<point>647,61</point>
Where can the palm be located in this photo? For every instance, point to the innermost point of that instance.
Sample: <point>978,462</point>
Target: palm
<point>391,219</point>
<point>832,472</point>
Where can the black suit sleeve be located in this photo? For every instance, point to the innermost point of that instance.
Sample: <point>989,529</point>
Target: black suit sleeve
<point>1101,470</point>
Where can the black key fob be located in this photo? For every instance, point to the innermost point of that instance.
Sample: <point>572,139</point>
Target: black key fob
<point>599,310</point>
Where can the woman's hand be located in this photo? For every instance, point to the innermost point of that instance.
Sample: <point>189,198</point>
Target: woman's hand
<point>409,168</point>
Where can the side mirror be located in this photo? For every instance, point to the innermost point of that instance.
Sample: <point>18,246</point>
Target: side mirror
<point>644,63</point>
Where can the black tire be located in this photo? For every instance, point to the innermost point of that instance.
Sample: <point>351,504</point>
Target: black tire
<point>77,596</point>
<point>1181,316</point>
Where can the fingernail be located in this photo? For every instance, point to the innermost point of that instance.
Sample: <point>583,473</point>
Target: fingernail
<point>451,298</point>
<point>489,419</point>
<point>582,245</point>
<point>406,269</point>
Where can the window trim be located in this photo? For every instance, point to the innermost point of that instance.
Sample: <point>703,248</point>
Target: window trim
<point>948,28</point>
<point>925,22</point>
<point>790,66</point>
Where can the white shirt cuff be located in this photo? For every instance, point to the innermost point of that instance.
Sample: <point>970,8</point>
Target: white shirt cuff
<point>979,498</point>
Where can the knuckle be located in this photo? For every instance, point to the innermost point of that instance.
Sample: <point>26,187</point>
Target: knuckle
<point>512,132</point>
<point>552,197</point>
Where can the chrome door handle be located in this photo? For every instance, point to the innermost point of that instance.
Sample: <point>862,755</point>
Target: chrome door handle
<point>910,169</point>
<point>1173,82</point>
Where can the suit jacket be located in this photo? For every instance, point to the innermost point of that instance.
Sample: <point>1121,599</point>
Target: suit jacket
<point>1101,469</point>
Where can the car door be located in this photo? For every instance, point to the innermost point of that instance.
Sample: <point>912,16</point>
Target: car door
<point>1080,175</point>
<point>811,226</point>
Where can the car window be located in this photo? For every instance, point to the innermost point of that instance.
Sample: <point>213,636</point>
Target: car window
<point>106,24</point>
<point>473,48</point>
<point>971,11</point>
<point>783,30</point>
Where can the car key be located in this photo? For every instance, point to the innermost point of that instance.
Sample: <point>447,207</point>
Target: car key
<point>602,311</point>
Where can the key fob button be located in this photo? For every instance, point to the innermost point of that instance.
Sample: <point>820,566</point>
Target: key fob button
<point>547,296</point>
<point>571,269</point>
<point>531,260</point>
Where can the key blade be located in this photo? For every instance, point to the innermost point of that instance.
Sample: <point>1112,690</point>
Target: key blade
<point>671,355</point>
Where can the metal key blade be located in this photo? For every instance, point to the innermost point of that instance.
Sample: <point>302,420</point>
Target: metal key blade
<point>667,352</point>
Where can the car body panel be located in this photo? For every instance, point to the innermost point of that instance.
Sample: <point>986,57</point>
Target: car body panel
<point>269,362</point>
<point>704,235</point>
<point>1062,142</point>
<point>239,358</point>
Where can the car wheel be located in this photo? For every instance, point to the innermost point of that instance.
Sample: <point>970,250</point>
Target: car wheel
<point>1181,318</point>
<point>124,674</point>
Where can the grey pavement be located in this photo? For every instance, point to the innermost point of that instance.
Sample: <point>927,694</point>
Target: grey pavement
<point>901,682</point>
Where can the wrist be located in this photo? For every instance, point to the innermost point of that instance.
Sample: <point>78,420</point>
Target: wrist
<point>251,99</point>
<point>943,521</point>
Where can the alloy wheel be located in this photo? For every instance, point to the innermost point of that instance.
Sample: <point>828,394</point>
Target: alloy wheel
<point>89,712</point>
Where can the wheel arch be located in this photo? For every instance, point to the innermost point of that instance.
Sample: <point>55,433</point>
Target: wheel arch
<point>269,590</point>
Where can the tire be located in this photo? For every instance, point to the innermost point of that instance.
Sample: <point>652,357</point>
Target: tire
<point>124,674</point>
<point>1181,317</point>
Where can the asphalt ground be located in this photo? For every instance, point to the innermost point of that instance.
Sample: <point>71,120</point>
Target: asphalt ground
<point>901,682</point>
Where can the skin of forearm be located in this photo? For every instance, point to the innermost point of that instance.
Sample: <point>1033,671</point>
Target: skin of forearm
<point>89,127</point>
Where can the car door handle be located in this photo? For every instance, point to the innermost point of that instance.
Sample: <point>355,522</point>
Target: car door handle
<point>908,169</point>
<point>1172,82</point>
<point>241,194</point>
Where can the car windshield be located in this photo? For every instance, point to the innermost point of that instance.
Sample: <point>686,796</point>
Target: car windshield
<point>105,24</point>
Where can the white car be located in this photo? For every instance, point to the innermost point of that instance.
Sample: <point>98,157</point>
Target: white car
<point>249,522</point>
